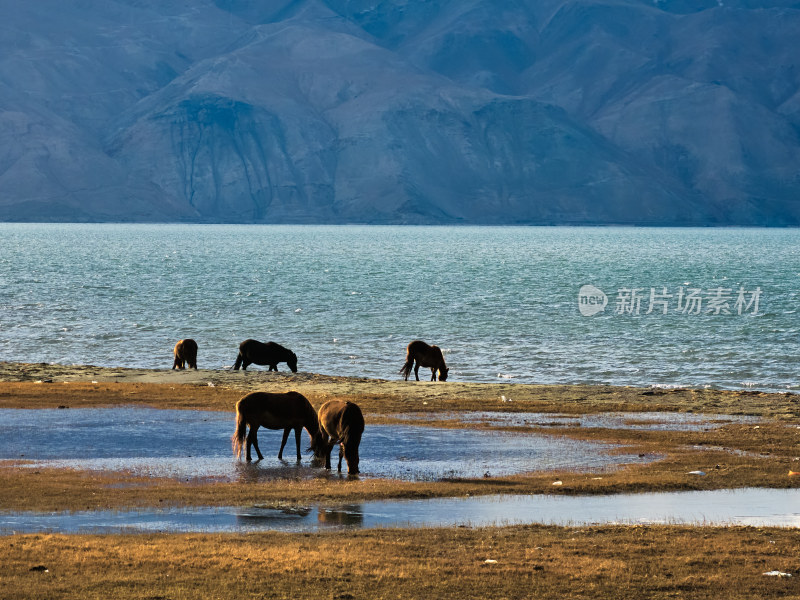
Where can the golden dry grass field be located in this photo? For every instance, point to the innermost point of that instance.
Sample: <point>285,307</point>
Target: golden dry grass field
<point>531,561</point>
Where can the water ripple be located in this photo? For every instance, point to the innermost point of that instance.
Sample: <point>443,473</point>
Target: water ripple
<point>501,300</point>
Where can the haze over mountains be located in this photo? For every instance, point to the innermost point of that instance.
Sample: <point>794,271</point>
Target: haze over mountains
<point>673,112</point>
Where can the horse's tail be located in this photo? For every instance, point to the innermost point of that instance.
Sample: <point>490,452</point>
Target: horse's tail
<point>353,421</point>
<point>238,437</point>
<point>238,363</point>
<point>353,425</point>
<point>406,370</point>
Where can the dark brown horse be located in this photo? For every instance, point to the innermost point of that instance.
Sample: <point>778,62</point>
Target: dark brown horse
<point>276,411</point>
<point>259,353</point>
<point>342,423</point>
<point>424,356</point>
<point>185,353</point>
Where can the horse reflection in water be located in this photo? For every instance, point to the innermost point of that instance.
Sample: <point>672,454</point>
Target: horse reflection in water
<point>272,517</point>
<point>287,411</point>
<point>342,423</point>
<point>347,516</point>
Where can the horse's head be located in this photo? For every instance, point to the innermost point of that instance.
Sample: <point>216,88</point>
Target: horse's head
<point>319,445</point>
<point>292,362</point>
<point>443,373</point>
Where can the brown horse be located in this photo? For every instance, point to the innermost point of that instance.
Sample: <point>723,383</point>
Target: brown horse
<point>185,353</point>
<point>342,423</point>
<point>276,411</point>
<point>424,356</point>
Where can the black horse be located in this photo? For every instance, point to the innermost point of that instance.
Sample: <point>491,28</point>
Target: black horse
<point>255,352</point>
<point>424,356</point>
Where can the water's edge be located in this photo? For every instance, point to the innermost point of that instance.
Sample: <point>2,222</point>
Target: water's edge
<point>503,303</point>
<point>744,507</point>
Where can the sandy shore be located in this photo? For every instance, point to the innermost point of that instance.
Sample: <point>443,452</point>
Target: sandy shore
<point>378,395</point>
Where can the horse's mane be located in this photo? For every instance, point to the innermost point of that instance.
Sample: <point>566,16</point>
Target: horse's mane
<point>438,352</point>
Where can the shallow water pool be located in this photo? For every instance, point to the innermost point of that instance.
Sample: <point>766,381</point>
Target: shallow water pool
<point>196,445</point>
<point>753,506</point>
<point>651,421</point>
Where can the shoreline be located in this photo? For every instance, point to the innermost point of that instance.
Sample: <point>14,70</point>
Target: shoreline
<point>150,373</point>
<point>380,395</point>
<point>733,455</point>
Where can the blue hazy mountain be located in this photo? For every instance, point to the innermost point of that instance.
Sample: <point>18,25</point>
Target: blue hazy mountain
<point>438,111</point>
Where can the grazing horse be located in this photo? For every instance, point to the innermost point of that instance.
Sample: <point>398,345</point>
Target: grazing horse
<point>342,423</point>
<point>185,353</point>
<point>425,356</point>
<point>255,352</point>
<point>276,411</point>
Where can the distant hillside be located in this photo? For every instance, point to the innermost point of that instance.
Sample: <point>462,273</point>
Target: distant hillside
<point>670,112</point>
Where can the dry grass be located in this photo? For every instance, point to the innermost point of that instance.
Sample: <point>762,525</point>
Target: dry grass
<point>532,561</point>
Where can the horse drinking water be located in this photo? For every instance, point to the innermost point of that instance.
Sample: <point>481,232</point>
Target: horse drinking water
<point>424,356</point>
<point>287,411</point>
<point>259,353</point>
<point>341,423</point>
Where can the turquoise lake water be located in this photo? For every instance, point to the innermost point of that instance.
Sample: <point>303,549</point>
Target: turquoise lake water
<point>502,302</point>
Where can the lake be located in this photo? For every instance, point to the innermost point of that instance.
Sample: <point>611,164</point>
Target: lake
<point>624,306</point>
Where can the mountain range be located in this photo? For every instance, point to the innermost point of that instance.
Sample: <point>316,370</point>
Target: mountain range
<point>660,112</point>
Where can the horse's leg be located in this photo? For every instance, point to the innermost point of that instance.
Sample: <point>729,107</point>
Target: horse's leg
<point>341,454</point>
<point>283,442</point>
<point>297,432</point>
<point>416,370</point>
<point>238,362</point>
<point>433,373</point>
<point>252,439</point>
<point>249,442</point>
<point>328,457</point>
<point>273,367</point>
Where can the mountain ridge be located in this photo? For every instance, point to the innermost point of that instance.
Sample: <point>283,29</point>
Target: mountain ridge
<point>369,111</point>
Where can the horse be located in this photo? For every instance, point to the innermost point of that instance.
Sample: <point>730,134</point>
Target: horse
<point>287,411</point>
<point>185,353</point>
<point>255,352</point>
<point>424,356</point>
<point>341,423</point>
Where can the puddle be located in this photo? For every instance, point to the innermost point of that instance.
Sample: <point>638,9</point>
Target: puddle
<point>196,445</point>
<point>654,421</point>
<point>753,507</point>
